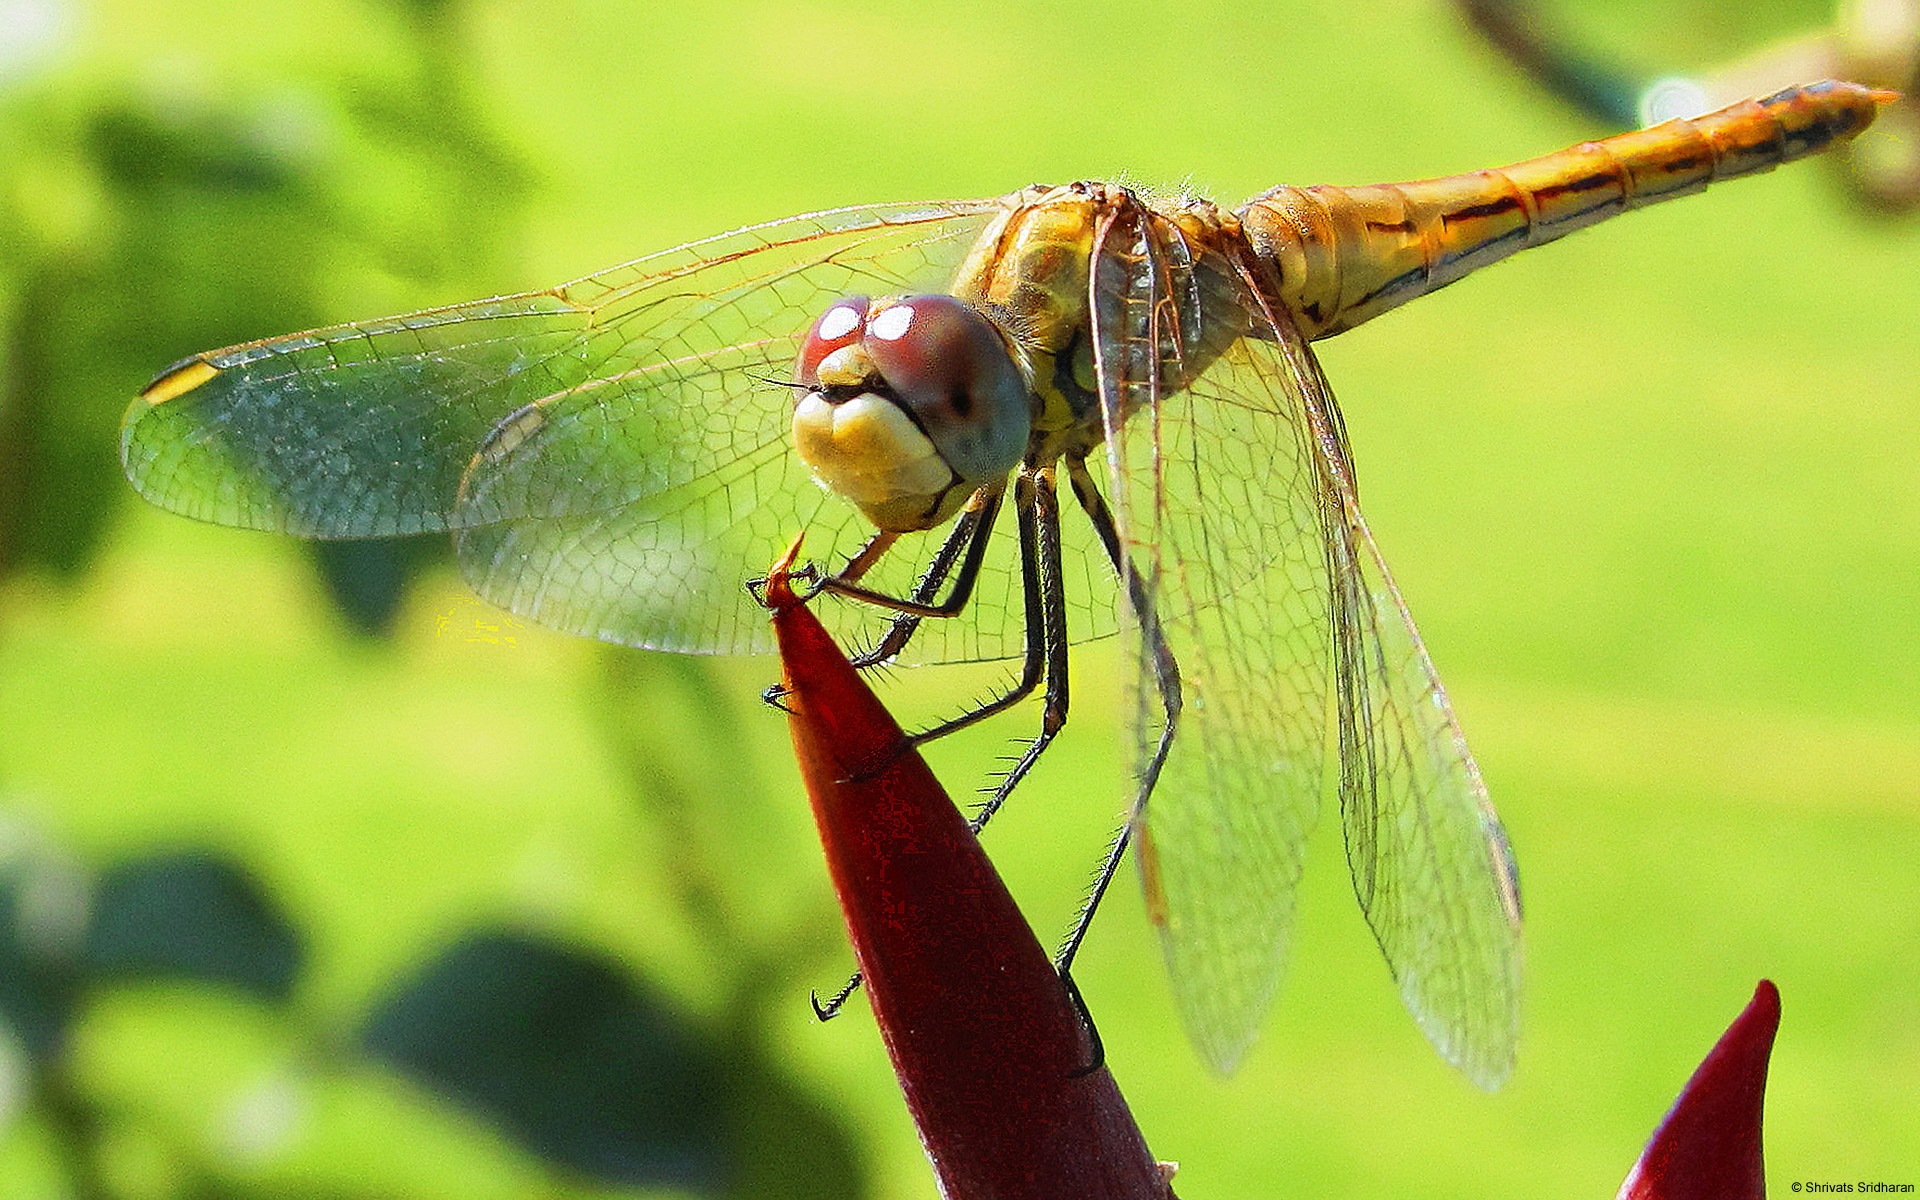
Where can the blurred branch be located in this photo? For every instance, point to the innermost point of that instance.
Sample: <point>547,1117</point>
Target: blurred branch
<point>680,809</point>
<point>1872,42</point>
<point>73,1126</point>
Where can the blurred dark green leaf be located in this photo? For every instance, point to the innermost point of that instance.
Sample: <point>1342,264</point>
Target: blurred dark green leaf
<point>39,979</point>
<point>790,1144</point>
<point>183,218</point>
<point>576,1060</point>
<point>367,577</point>
<point>179,253</point>
<point>192,915</point>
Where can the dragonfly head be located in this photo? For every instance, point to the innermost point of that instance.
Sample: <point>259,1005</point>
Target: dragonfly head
<point>905,405</point>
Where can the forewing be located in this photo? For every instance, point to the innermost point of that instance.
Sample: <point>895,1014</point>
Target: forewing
<point>354,431</point>
<point>1431,864</point>
<point>1215,490</point>
<point>633,506</point>
<point>614,452</point>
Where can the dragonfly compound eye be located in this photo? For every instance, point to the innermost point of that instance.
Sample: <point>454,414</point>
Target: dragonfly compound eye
<point>909,405</point>
<point>841,326</point>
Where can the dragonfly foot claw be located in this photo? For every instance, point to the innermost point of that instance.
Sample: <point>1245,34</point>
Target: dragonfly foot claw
<point>1097,1056</point>
<point>805,572</point>
<point>831,1009</point>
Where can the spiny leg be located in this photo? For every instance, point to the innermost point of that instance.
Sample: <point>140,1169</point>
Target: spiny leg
<point>1166,677</point>
<point>1046,610</point>
<point>970,533</point>
<point>1039,561</point>
<point>1033,661</point>
<point>975,538</point>
<point>837,1001</point>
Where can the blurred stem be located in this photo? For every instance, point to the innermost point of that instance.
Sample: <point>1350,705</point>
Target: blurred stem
<point>439,40</point>
<point>634,684</point>
<point>1521,32</point>
<point>22,364</point>
<point>74,1123</point>
<point>440,92</point>
<point>629,679</point>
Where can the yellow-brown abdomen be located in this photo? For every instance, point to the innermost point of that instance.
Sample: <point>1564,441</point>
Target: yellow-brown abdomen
<point>1344,255</point>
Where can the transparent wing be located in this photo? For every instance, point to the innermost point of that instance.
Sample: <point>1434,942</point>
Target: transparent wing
<point>1215,492</point>
<point>366,430</point>
<point>1238,512</point>
<point>1431,864</point>
<point>355,431</point>
<point>613,453</point>
<point>637,522</point>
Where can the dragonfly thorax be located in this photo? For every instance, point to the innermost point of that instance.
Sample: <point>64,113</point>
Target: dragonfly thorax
<point>906,405</point>
<point>1092,278</point>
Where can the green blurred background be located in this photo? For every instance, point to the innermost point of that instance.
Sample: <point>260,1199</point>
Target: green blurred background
<point>1649,492</point>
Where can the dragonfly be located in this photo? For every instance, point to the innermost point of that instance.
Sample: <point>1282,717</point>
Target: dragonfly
<point>914,386</point>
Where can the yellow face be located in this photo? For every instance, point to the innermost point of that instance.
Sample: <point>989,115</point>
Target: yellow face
<point>868,450</point>
<point>909,405</point>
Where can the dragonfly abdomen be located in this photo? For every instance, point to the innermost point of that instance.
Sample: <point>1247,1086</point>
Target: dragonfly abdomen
<point>1345,255</point>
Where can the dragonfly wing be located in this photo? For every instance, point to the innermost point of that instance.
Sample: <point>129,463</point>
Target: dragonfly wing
<point>354,431</point>
<point>1214,484</point>
<point>576,517</point>
<point>1431,864</point>
<point>614,453</point>
<point>633,507</point>
<point>1235,498</point>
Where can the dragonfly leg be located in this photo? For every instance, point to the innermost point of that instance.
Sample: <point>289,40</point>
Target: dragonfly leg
<point>837,1001</point>
<point>1037,511</point>
<point>1096,1048</point>
<point>1034,659</point>
<point>1166,679</point>
<point>1038,508</point>
<point>970,534</point>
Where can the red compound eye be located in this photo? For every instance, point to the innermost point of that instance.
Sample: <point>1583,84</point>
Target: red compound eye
<point>936,353</point>
<point>841,325</point>
<point>951,370</point>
